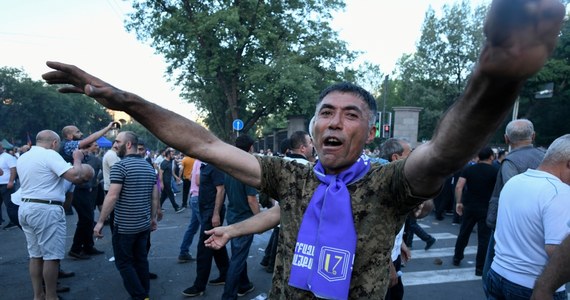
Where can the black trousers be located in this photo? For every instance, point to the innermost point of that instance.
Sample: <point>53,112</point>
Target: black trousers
<point>473,215</point>
<point>84,204</point>
<point>205,255</point>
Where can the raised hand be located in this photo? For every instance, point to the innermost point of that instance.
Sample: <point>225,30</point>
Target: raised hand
<point>521,34</point>
<point>79,81</point>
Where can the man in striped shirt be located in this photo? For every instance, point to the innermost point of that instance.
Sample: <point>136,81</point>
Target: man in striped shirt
<point>131,195</point>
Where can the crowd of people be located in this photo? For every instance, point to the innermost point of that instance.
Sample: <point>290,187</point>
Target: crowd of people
<point>338,217</point>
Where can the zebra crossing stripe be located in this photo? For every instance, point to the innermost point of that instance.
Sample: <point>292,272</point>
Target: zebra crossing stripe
<point>441,252</point>
<point>439,236</point>
<point>439,276</point>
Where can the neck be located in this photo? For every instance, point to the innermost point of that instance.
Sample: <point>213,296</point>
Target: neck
<point>520,144</point>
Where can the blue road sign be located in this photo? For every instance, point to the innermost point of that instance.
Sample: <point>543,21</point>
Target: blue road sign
<point>237,124</point>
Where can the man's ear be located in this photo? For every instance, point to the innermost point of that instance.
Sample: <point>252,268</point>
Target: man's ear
<point>371,135</point>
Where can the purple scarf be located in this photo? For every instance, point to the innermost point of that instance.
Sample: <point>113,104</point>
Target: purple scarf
<point>326,244</point>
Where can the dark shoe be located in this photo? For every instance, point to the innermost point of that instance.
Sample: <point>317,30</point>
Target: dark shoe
<point>264,262</point>
<point>182,258</point>
<point>439,217</point>
<point>63,274</point>
<point>79,255</point>
<point>62,288</point>
<point>243,292</point>
<point>69,212</point>
<point>192,292</point>
<point>478,272</point>
<point>456,262</point>
<point>10,226</point>
<point>218,281</point>
<point>429,243</point>
<point>93,251</point>
<point>152,275</point>
<point>179,210</point>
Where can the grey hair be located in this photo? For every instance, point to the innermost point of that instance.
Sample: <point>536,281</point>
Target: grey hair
<point>392,146</point>
<point>519,130</point>
<point>559,151</point>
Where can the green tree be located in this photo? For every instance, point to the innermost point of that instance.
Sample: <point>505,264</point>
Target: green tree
<point>151,142</point>
<point>434,76</point>
<point>29,106</point>
<point>550,116</point>
<point>245,59</point>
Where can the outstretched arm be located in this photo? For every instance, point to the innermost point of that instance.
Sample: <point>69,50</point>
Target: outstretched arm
<point>94,136</point>
<point>173,129</point>
<point>258,223</point>
<point>520,34</point>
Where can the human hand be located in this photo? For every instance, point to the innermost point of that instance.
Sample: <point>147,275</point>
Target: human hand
<point>459,209</point>
<point>218,237</point>
<point>159,215</point>
<point>216,220</point>
<point>10,185</point>
<point>97,230</point>
<point>405,253</point>
<point>78,155</point>
<point>393,275</point>
<point>79,81</point>
<point>153,225</point>
<point>521,34</point>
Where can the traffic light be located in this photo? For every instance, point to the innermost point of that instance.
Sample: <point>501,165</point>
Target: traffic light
<point>386,130</point>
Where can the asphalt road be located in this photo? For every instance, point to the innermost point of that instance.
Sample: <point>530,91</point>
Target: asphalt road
<point>97,278</point>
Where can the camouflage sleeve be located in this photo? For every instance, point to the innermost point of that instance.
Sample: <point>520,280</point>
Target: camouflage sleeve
<point>400,190</point>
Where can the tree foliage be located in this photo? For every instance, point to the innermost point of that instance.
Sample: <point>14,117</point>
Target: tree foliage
<point>434,76</point>
<point>29,106</point>
<point>247,59</point>
<point>550,116</point>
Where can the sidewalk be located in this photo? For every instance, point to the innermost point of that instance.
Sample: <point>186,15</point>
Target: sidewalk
<point>98,279</point>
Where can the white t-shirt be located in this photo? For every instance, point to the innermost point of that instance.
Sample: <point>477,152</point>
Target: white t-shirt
<point>40,173</point>
<point>109,159</point>
<point>398,244</point>
<point>7,162</point>
<point>534,208</point>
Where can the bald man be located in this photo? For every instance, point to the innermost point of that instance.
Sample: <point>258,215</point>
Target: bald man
<point>42,172</point>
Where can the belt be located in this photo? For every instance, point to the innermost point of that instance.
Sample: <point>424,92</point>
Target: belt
<point>53,202</point>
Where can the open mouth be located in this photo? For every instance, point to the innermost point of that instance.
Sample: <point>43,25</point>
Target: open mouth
<point>331,141</point>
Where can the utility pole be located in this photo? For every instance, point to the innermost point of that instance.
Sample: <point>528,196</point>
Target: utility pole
<point>385,97</point>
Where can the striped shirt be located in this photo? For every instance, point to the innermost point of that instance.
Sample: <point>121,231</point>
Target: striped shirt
<point>133,208</point>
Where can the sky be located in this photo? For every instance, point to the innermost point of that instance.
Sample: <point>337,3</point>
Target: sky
<point>91,35</point>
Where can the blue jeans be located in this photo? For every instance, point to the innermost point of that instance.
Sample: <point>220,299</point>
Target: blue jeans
<point>132,262</point>
<point>237,272</point>
<point>193,226</point>
<point>500,288</point>
<point>488,261</point>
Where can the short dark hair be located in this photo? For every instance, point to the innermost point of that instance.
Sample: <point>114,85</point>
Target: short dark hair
<point>244,142</point>
<point>131,137</point>
<point>298,139</point>
<point>285,146</point>
<point>351,88</point>
<point>485,153</point>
